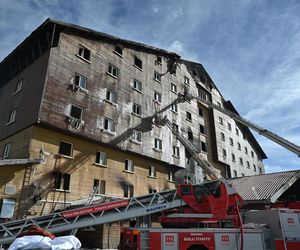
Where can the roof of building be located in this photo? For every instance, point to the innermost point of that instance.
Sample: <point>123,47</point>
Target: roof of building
<point>264,188</point>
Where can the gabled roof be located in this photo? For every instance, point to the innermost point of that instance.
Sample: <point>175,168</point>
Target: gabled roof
<point>264,188</point>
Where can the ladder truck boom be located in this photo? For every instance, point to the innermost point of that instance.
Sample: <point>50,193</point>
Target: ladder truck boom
<point>262,131</point>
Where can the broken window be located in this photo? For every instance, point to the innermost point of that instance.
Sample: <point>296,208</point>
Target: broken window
<point>157,144</point>
<point>224,152</point>
<point>137,85</point>
<point>174,108</point>
<point>137,135</point>
<point>176,151</point>
<point>188,116</point>
<point>84,53</point>
<point>129,166</point>
<point>171,176</point>
<point>65,148</point>
<point>119,50</point>
<point>76,112</point>
<point>204,146</point>
<point>157,76</point>
<point>128,190</point>
<point>101,158</point>
<point>6,150</point>
<point>241,161</point>
<point>157,97</point>
<point>173,87</point>
<point>113,71</point>
<point>109,124</point>
<point>220,120</point>
<point>152,191</point>
<point>138,62</point>
<point>233,157</point>
<point>12,116</point>
<point>152,171</point>
<point>202,129</point>
<point>186,80</point>
<point>136,109</point>
<point>111,96</point>
<point>229,126</point>
<point>18,86</point>
<point>80,81</point>
<point>62,181</point>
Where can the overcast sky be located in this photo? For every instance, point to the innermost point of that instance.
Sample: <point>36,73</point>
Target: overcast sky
<point>251,49</point>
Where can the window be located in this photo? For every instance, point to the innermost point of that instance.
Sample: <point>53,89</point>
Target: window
<point>204,146</point>
<point>157,76</point>
<point>200,111</point>
<point>158,60</point>
<point>12,116</point>
<point>128,190</point>
<point>202,129</point>
<point>152,171</point>
<point>151,190</point>
<point>248,164</point>
<point>231,141</point>
<point>101,186</point>
<point>174,108</point>
<point>119,50</point>
<point>76,112</point>
<point>84,53</point>
<point>157,97</point>
<point>188,116</point>
<point>109,124</point>
<point>137,85</point>
<point>260,170</point>
<point>111,96</point>
<point>175,127</point>
<point>202,94</point>
<point>136,109</point>
<point>190,135</point>
<point>243,174</point>
<point>137,135</point>
<point>234,173</point>
<point>138,62</point>
<point>171,176</point>
<point>237,132</point>
<point>80,81</point>
<point>113,71</point>
<point>6,150</point>
<point>246,150</point>
<point>157,144</point>
<point>222,136</point>
<point>129,166</point>
<point>241,161</point>
<point>186,80</point>
<point>233,157</point>
<point>18,86</point>
<point>254,167</point>
<point>219,104</point>
<point>101,158</point>
<point>221,120</point>
<point>176,151</point>
<point>62,181</point>
<point>65,148</point>
<point>239,146</point>
<point>252,154</point>
<point>173,87</point>
<point>229,126</point>
<point>224,152</point>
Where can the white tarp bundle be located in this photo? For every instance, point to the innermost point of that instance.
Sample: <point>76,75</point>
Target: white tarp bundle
<point>45,243</point>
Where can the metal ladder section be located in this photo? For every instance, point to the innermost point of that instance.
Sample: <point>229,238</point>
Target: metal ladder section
<point>94,215</point>
<point>206,166</point>
<point>262,131</point>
